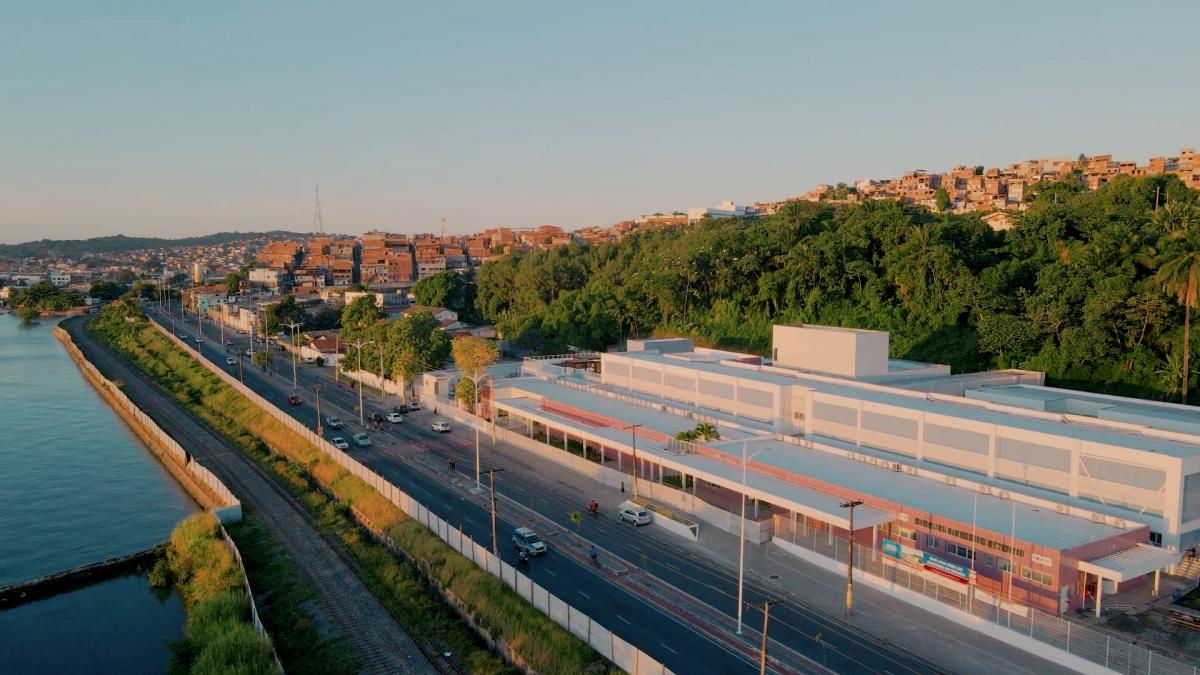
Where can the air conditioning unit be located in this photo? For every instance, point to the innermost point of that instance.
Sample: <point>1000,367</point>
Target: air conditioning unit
<point>1062,508</point>
<point>985,489</point>
<point>1097,517</point>
<point>1003,494</point>
<point>950,480</point>
<point>903,517</point>
<point>1119,523</point>
<point>912,470</point>
<point>849,455</point>
<point>896,466</point>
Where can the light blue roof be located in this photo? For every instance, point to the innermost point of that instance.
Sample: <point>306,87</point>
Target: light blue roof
<point>1036,525</point>
<point>1114,437</point>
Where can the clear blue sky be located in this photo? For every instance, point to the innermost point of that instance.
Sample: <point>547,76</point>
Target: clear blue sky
<point>187,118</point>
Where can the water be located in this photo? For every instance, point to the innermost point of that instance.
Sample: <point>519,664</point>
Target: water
<point>76,486</point>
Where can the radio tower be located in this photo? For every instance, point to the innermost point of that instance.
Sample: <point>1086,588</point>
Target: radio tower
<point>318,224</point>
<point>443,227</point>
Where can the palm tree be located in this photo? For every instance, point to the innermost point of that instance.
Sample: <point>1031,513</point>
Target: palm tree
<point>1179,274</point>
<point>1171,373</point>
<point>1118,245</point>
<point>689,435</point>
<point>706,431</point>
<point>1176,216</point>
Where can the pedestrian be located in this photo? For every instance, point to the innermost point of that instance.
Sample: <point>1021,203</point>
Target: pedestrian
<point>622,487</point>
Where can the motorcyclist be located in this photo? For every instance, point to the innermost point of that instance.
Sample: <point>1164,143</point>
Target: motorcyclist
<point>522,558</point>
<point>594,508</point>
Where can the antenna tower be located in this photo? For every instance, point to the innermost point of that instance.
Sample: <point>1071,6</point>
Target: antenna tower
<point>318,223</point>
<point>443,227</point>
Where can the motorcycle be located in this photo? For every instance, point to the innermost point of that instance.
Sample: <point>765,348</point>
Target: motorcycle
<point>523,563</point>
<point>594,511</point>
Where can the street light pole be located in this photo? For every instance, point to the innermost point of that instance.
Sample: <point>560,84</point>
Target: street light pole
<point>317,389</point>
<point>850,566</point>
<point>492,477</point>
<point>295,339</point>
<point>359,347</point>
<point>766,610</point>
<point>633,430</point>
<point>476,381</point>
<point>742,536</point>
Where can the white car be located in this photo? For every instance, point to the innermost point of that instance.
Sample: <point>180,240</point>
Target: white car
<point>441,427</point>
<point>414,404</point>
<point>199,340</point>
<point>634,513</point>
<point>339,443</point>
<point>249,352</point>
<point>333,422</point>
<point>362,440</point>
<point>395,418</point>
<point>229,343</point>
<point>231,361</point>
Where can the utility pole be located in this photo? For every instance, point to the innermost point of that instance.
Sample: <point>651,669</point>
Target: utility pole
<point>317,390</point>
<point>359,346</point>
<point>742,535</point>
<point>633,430</point>
<point>850,566</point>
<point>766,610</point>
<point>295,347</point>
<point>492,477</point>
<point>475,381</point>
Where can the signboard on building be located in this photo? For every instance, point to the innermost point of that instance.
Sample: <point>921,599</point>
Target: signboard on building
<point>905,554</point>
<point>946,568</point>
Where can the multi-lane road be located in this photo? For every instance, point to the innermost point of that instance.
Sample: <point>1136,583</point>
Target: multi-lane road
<point>402,454</point>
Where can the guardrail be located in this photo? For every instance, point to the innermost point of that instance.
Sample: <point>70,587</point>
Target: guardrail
<point>617,650</point>
<point>560,357</point>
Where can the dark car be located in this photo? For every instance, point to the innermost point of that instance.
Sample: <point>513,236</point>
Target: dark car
<point>375,418</point>
<point>293,400</point>
<point>402,409</point>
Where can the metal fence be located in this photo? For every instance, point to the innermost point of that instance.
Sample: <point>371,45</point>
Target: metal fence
<point>237,555</point>
<point>622,653</point>
<point>1097,646</point>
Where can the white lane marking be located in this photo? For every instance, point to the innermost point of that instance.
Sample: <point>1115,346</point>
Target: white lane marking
<point>469,521</point>
<point>622,618</point>
<point>585,595</point>
<point>551,573</point>
<point>669,649</point>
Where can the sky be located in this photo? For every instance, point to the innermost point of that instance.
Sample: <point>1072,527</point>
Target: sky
<point>182,119</point>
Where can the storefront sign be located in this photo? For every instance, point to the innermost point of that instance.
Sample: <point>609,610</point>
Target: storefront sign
<point>946,568</point>
<point>891,548</point>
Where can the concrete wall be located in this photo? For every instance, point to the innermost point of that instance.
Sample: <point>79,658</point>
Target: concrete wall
<point>824,349</point>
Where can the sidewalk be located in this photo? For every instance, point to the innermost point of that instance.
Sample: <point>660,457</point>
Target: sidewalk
<point>879,616</point>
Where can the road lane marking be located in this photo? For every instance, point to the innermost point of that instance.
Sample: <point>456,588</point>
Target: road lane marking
<point>585,595</point>
<point>669,649</point>
<point>551,573</point>
<point>622,618</point>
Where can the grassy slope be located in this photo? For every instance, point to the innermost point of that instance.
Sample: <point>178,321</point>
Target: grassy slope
<point>542,644</point>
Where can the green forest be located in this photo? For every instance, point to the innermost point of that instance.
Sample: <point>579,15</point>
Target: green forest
<point>1095,289</point>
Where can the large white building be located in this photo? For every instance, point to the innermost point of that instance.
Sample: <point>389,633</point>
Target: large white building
<point>725,210</point>
<point>1060,493</point>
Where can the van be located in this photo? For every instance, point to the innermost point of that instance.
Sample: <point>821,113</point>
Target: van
<point>634,513</point>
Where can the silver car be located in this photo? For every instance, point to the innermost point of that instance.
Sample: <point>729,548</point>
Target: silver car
<point>362,440</point>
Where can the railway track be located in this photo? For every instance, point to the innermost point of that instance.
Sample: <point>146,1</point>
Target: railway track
<point>344,600</point>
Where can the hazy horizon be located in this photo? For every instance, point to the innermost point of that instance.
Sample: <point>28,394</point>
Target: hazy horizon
<point>183,121</point>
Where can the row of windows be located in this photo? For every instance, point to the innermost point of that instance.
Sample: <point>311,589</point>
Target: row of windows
<point>983,541</point>
<point>1001,564</point>
<point>1043,578</point>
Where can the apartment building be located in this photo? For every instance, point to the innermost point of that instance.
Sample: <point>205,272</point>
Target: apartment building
<point>1044,496</point>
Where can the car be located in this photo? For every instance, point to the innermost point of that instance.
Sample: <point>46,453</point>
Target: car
<point>375,418</point>
<point>182,336</point>
<point>402,409</point>
<point>241,331</point>
<point>395,418</point>
<point>414,404</point>
<point>231,361</point>
<point>362,440</point>
<point>441,427</point>
<point>293,400</point>
<point>525,539</point>
<point>334,422</point>
<point>199,340</point>
<point>249,352</point>
<point>339,443</point>
<point>633,513</point>
<point>229,343</point>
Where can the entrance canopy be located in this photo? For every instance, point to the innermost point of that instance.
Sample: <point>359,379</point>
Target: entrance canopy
<point>1131,563</point>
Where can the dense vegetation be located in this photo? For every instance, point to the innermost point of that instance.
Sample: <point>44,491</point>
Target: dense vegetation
<point>120,243</point>
<point>1085,287</point>
<point>218,636</point>
<point>44,296</point>
<point>329,491</point>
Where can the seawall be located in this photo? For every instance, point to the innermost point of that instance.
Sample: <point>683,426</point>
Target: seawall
<point>41,588</point>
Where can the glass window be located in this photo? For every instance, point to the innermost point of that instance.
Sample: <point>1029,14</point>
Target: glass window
<point>932,541</point>
<point>1156,538</point>
<point>989,561</point>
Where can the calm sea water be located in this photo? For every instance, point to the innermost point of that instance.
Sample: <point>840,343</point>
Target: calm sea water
<point>76,486</point>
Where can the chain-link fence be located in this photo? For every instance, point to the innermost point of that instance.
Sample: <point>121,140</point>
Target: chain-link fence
<point>1110,650</point>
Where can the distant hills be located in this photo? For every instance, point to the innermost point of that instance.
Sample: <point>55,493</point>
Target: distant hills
<point>73,248</point>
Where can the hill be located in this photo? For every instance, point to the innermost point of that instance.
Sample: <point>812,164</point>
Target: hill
<point>120,243</point>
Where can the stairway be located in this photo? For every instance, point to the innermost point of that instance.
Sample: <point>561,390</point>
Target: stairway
<point>1189,568</point>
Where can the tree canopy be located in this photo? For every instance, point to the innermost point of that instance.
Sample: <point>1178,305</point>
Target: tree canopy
<point>1073,289</point>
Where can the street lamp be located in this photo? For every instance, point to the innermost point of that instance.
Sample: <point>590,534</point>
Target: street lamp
<point>476,380</point>
<point>294,325</point>
<point>850,566</point>
<point>359,346</point>
<point>492,476</point>
<point>742,542</point>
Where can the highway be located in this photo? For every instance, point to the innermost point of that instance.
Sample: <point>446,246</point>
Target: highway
<point>399,448</point>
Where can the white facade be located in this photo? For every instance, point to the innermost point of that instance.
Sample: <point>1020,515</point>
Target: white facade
<point>725,210</point>
<point>265,276</point>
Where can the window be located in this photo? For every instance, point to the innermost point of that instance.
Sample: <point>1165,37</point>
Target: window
<point>1156,538</point>
<point>960,551</point>
<point>932,541</point>
<point>989,560</point>
<point>903,533</point>
<point>1037,577</point>
<point>1003,565</point>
